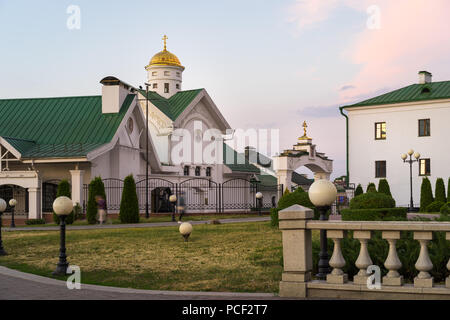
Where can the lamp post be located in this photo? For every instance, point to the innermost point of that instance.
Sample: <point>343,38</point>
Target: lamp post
<point>186,230</point>
<point>322,194</point>
<point>259,196</point>
<point>12,204</point>
<point>2,209</point>
<point>62,207</point>
<point>147,214</point>
<point>173,201</point>
<point>411,161</point>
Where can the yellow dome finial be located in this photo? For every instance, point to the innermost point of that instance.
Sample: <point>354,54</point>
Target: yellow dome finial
<point>165,42</point>
<point>305,136</point>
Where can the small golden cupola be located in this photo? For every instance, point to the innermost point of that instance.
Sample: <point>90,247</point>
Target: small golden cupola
<point>165,72</point>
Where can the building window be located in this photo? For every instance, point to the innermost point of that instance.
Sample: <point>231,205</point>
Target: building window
<point>155,86</point>
<point>424,167</point>
<point>166,88</point>
<point>166,73</point>
<point>380,169</point>
<point>197,171</point>
<point>186,170</point>
<point>208,172</point>
<point>178,86</point>
<point>424,128</point>
<point>380,131</point>
<point>178,74</point>
<point>154,73</point>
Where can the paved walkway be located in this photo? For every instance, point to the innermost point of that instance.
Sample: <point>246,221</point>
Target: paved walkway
<point>16,285</point>
<point>138,225</point>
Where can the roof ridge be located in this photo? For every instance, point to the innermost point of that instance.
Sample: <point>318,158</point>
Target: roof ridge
<point>46,98</point>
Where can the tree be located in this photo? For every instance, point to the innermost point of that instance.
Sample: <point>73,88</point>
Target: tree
<point>64,190</point>
<point>448,190</point>
<point>440,190</point>
<point>129,205</point>
<point>359,190</point>
<point>96,188</point>
<point>426,194</point>
<point>383,187</point>
<point>371,187</point>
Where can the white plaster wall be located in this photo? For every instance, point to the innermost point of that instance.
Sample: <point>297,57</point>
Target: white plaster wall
<point>401,135</point>
<point>160,78</point>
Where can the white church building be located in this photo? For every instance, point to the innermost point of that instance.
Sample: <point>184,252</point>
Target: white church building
<point>381,129</point>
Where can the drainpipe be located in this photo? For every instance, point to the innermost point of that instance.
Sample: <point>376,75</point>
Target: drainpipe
<point>341,109</point>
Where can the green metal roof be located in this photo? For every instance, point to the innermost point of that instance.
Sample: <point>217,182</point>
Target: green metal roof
<point>238,162</point>
<point>414,92</point>
<point>175,105</point>
<point>58,127</point>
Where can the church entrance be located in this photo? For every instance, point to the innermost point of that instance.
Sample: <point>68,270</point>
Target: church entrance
<point>8,192</point>
<point>160,200</point>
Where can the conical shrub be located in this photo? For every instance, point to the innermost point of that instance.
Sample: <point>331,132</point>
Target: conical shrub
<point>96,188</point>
<point>129,205</point>
<point>383,187</point>
<point>371,187</point>
<point>359,190</point>
<point>440,190</point>
<point>426,194</point>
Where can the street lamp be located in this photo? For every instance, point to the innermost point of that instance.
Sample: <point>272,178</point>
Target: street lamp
<point>12,204</point>
<point>411,161</point>
<point>322,194</point>
<point>62,207</point>
<point>2,209</point>
<point>259,196</point>
<point>173,200</point>
<point>186,230</point>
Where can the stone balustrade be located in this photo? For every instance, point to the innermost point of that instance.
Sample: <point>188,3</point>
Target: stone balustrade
<point>297,225</point>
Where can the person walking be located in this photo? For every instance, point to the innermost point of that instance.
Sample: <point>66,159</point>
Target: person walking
<point>101,207</point>
<point>181,205</point>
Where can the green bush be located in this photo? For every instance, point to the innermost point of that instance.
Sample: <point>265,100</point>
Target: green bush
<point>96,188</point>
<point>448,190</point>
<point>383,214</point>
<point>371,187</point>
<point>359,190</point>
<point>129,205</point>
<point>426,194</point>
<point>64,190</point>
<point>32,222</point>
<point>440,190</point>
<point>372,200</point>
<point>77,212</point>
<point>445,209</point>
<point>435,206</point>
<point>383,187</point>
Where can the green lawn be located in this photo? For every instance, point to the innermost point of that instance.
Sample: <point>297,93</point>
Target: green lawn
<point>243,257</point>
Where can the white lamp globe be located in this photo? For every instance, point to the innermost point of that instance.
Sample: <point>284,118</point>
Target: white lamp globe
<point>173,198</point>
<point>186,229</point>
<point>404,156</point>
<point>410,152</point>
<point>417,155</point>
<point>62,206</point>
<point>2,205</point>
<point>322,193</point>
<point>12,202</point>
<point>259,195</point>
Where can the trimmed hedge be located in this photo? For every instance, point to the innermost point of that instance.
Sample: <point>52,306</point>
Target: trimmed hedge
<point>435,206</point>
<point>440,190</point>
<point>381,214</point>
<point>96,188</point>
<point>445,209</point>
<point>426,194</point>
<point>32,222</point>
<point>372,200</point>
<point>359,190</point>
<point>383,187</point>
<point>64,190</point>
<point>371,187</point>
<point>129,205</point>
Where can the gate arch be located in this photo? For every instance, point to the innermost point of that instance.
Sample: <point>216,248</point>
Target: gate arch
<point>239,193</point>
<point>199,194</point>
<point>159,192</point>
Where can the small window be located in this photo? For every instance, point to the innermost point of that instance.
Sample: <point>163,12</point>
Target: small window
<point>208,172</point>
<point>186,170</point>
<point>154,73</point>
<point>155,86</point>
<point>424,167</point>
<point>166,88</point>
<point>380,169</point>
<point>166,73</point>
<point>380,131</point>
<point>177,86</point>
<point>424,128</point>
<point>178,74</point>
<point>197,171</point>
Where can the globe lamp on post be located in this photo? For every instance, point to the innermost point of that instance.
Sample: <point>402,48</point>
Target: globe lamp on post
<point>2,209</point>
<point>322,194</point>
<point>62,207</point>
<point>173,201</point>
<point>12,204</point>
<point>259,197</point>
<point>410,161</point>
<point>186,230</point>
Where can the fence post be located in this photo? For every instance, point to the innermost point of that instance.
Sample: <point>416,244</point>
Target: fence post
<point>297,251</point>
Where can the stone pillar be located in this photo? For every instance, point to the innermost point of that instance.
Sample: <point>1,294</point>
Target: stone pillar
<point>77,186</point>
<point>285,178</point>
<point>34,203</point>
<point>297,251</point>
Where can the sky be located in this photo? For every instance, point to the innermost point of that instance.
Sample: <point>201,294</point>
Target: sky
<point>266,64</point>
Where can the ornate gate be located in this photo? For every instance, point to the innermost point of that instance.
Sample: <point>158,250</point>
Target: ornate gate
<point>159,191</point>
<point>199,194</point>
<point>238,194</point>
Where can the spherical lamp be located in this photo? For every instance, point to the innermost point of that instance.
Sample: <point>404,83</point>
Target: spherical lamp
<point>62,206</point>
<point>322,193</point>
<point>2,206</point>
<point>259,195</point>
<point>417,155</point>
<point>410,152</point>
<point>186,230</point>
<point>173,198</point>
<point>12,202</point>
<point>2,209</point>
<point>404,157</point>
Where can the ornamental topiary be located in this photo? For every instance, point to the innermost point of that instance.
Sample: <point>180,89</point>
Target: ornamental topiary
<point>359,190</point>
<point>448,190</point>
<point>96,188</point>
<point>440,190</point>
<point>371,187</point>
<point>383,187</point>
<point>64,190</point>
<point>129,205</point>
<point>372,200</point>
<point>426,194</point>
<point>435,206</point>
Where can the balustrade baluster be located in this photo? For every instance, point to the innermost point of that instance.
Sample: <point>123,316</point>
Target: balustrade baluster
<point>447,281</point>
<point>337,261</point>
<point>423,264</point>
<point>363,260</point>
<point>392,263</point>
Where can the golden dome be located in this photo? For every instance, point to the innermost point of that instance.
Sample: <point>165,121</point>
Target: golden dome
<point>164,58</point>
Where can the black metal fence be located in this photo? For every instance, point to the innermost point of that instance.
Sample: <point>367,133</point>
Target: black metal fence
<point>196,194</point>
